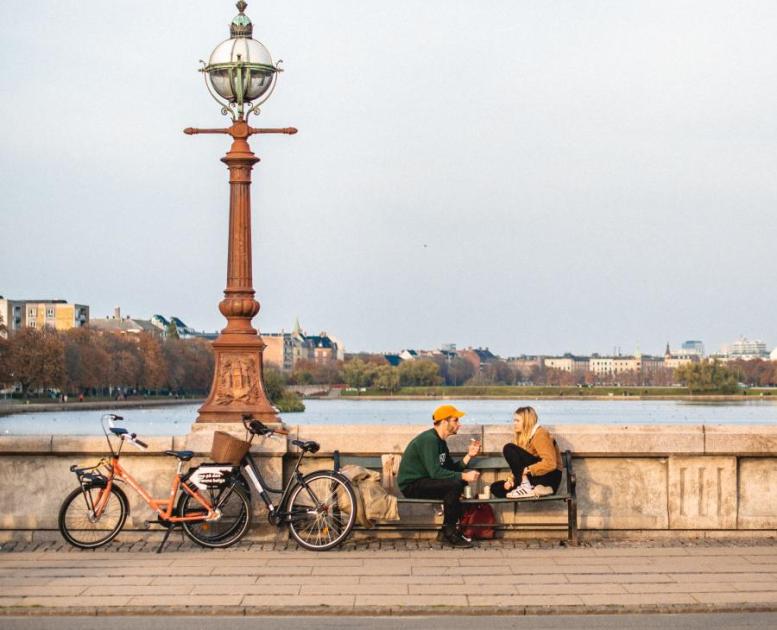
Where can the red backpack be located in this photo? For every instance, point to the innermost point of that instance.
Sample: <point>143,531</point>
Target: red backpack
<point>479,514</point>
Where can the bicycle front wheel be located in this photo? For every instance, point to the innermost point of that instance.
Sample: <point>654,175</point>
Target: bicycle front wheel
<point>78,524</point>
<point>234,507</point>
<point>322,510</point>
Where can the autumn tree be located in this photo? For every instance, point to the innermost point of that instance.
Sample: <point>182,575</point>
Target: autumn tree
<point>87,362</point>
<point>358,373</point>
<point>707,376</point>
<point>5,373</point>
<point>153,373</point>
<point>386,378</point>
<point>420,372</point>
<point>189,364</point>
<point>36,359</point>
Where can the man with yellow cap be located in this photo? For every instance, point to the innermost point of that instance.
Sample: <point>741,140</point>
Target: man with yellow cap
<point>427,471</point>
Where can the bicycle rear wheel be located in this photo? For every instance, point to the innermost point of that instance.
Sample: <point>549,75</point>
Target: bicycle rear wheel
<point>322,510</point>
<point>232,501</point>
<point>77,522</point>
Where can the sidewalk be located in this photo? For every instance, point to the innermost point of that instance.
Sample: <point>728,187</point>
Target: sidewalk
<point>388,578</point>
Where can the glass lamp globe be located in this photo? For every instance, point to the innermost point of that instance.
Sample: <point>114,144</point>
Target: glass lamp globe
<point>240,68</point>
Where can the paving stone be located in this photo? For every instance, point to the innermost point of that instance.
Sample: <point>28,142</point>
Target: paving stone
<point>461,589</point>
<point>673,587</point>
<point>247,589</point>
<point>341,580</point>
<point>108,601</point>
<point>620,579</point>
<point>759,597</point>
<point>410,579</point>
<point>405,601</point>
<point>354,589</point>
<point>525,578</point>
<point>186,600</point>
<point>126,589</point>
<point>284,601</point>
<point>52,590</point>
<point>524,600</point>
<point>637,599</point>
<point>206,580</point>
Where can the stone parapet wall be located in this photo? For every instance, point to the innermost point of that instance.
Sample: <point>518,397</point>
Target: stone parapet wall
<point>656,478</point>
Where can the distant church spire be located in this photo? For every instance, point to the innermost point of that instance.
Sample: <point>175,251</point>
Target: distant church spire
<point>297,328</point>
<point>667,352</point>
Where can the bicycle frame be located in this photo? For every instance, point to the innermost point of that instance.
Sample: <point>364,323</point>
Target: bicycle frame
<point>163,507</point>
<point>251,470</point>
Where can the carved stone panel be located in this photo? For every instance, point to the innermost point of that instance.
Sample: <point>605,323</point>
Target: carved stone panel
<point>703,492</point>
<point>621,493</point>
<point>758,493</point>
<point>237,379</point>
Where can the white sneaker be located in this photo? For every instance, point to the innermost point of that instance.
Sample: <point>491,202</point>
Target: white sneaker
<point>524,490</point>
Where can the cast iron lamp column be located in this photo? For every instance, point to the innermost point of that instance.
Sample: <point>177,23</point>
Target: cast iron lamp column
<point>241,72</point>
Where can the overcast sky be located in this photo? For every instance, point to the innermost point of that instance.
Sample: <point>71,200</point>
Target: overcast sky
<point>535,177</point>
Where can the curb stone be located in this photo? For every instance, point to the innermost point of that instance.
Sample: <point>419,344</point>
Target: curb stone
<point>380,611</point>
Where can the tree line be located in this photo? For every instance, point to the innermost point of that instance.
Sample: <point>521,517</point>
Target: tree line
<point>82,361</point>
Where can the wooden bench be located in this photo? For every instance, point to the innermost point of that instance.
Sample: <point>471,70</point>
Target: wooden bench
<point>566,492</point>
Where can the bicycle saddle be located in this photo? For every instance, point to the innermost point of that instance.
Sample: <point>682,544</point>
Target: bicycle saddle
<point>309,446</point>
<point>184,456</point>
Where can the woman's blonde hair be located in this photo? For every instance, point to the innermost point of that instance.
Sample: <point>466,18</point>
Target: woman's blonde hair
<point>529,421</point>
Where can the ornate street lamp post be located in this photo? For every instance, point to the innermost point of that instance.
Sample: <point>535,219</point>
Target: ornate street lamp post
<point>240,75</point>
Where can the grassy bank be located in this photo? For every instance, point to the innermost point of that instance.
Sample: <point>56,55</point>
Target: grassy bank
<point>518,391</point>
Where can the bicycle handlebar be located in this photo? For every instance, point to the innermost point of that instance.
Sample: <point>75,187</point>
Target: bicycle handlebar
<point>133,439</point>
<point>258,428</point>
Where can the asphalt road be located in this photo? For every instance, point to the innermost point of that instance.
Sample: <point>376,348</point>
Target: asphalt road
<point>730,621</point>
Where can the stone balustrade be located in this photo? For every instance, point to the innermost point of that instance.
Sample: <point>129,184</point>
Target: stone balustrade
<point>638,480</point>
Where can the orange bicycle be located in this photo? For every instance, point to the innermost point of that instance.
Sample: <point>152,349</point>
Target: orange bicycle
<point>210,502</point>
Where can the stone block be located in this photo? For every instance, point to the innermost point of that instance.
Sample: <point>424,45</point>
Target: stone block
<point>622,493</point>
<point>377,440</point>
<point>702,492</point>
<point>757,493</point>
<point>629,440</point>
<point>200,439</point>
<point>25,444</point>
<point>740,439</point>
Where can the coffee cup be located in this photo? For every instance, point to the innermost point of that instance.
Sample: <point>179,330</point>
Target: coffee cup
<point>467,492</point>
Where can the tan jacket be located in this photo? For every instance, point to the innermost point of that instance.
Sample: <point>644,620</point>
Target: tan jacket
<point>543,446</point>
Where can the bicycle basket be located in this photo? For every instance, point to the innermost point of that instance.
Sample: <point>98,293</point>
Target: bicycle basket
<point>227,449</point>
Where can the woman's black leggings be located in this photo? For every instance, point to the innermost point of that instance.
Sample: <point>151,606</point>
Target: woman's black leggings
<point>518,459</point>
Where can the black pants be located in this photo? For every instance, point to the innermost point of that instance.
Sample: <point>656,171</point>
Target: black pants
<point>518,459</point>
<point>447,490</point>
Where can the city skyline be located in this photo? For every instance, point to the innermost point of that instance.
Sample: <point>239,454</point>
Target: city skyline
<point>532,178</point>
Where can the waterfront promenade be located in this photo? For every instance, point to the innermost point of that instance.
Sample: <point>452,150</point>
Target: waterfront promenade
<point>408,577</point>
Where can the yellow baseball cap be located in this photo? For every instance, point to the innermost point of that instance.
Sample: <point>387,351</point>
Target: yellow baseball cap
<point>446,411</point>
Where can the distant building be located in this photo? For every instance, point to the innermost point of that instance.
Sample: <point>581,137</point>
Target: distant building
<point>745,349</point>
<point>673,361</point>
<point>56,314</point>
<point>163,324</point>
<point>285,349</point>
<point>567,363</point>
<point>478,357</point>
<point>692,346</point>
<point>123,325</point>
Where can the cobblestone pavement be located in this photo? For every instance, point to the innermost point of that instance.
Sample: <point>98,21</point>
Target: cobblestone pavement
<point>390,577</point>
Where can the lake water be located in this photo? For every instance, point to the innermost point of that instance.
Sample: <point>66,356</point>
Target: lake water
<point>178,420</point>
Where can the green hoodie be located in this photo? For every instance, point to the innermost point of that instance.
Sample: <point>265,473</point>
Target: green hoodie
<point>427,457</point>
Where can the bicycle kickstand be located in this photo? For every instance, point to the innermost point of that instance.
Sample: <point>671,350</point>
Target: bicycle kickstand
<point>164,539</point>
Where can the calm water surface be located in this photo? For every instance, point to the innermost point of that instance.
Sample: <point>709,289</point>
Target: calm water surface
<point>178,420</point>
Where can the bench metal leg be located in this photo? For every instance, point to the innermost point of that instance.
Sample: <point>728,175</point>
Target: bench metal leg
<point>572,521</point>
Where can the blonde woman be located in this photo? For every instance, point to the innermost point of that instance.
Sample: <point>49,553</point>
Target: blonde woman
<point>534,459</point>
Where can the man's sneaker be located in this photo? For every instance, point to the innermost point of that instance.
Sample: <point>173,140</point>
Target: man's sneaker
<point>455,540</point>
<point>542,491</point>
<point>441,536</point>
